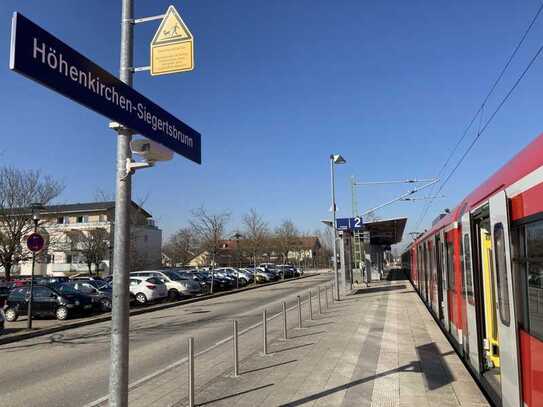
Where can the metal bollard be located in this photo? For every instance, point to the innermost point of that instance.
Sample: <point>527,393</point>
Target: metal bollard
<point>265,330</point>
<point>284,320</point>
<point>235,343</point>
<point>310,307</point>
<point>191,371</point>
<point>299,313</point>
<point>326,296</point>
<point>319,292</point>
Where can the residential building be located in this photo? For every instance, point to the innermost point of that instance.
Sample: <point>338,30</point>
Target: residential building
<point>69,230</point>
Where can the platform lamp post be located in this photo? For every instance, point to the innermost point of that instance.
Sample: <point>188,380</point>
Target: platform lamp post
<point>36,207</point>
<point>334,160</point>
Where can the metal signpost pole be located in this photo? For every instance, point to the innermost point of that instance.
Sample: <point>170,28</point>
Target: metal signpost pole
<point>118,378</point>
<point>333,181</point>
<point>31,297</point>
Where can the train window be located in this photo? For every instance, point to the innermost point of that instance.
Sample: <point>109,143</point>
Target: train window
<point>501,274</point>
<point>534,259</point>
<point>450,266</point>
<point>467,268</point>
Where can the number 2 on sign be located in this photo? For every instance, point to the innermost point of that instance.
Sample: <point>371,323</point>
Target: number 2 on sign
<point>357,222</point>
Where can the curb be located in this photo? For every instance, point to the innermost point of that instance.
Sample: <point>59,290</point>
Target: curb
<point>103,318</point>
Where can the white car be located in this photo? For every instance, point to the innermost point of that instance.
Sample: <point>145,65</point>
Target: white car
<point>147,289</point>
<point>177,285</point>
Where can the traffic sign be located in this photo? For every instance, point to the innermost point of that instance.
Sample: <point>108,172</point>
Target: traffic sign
<point>172,48</point>
<point>35,242</point>
<point>40,56</point>
<point>349,223</point>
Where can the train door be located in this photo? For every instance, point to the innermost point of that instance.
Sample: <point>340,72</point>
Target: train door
<point>452,299</point>
<point>439,277</point>
<point>471,345</point>
<point>503,285</point>
<point>444,281</point>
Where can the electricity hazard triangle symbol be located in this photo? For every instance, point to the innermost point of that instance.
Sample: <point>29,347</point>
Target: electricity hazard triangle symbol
<point>172,29</point>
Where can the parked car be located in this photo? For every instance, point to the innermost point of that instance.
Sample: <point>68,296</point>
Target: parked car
<point>194,276</point>
<point>2,321</point>
<point>287,270</point>
<point>86,278</point>
<point>177,285</point>
<point>262,276</point>
<point>235,275</point>
<point>147,289</point>
<point>46,302</point>
<point>219,283</point>
<point>50,281</point>
<point>101,292</point>
<point>5,288</point>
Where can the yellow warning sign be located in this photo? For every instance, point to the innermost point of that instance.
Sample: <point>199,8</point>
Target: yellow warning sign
<point>172,48</point>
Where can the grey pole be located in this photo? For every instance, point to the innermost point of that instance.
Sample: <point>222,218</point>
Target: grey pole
<point>235,343</point>
<point>326,296</point>
<point>265,331</point>
<point>191,371</point>
<point>319,292</point>
<point>284,320</point>
<point>118,375</point>
<point>31,297</point>
<point>333,181</point>
<point>299,312</point>
<point>310,307</point>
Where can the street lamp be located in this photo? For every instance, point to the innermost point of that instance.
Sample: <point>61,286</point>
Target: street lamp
<point>335,159</point>
<point>36,207</point>
<point>237,236</point>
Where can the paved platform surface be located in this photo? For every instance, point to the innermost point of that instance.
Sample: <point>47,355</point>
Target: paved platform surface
<point>378,347</point>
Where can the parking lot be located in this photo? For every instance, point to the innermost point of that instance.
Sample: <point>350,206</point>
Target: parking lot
<point>86,299</point>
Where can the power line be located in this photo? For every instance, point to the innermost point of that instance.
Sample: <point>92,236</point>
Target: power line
<point>480,110</point>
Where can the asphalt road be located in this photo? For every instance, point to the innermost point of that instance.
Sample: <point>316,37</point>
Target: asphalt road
<point>71,368</point>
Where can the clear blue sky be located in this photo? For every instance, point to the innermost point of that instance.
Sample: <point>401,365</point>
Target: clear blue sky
<point>278,86</point>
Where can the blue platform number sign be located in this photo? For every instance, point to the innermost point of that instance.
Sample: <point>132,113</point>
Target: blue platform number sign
<point>349,223</point>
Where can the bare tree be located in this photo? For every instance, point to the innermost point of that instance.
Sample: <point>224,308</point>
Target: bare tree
<point>287,238</point>
<point>181,246</point>
<point>209,230</point>
<point>18,190</point>
<point>93,244</point>
<point>256,233</point>
<point>102,196</point>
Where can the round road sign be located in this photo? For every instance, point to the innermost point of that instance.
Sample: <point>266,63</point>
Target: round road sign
<point>35,242</point>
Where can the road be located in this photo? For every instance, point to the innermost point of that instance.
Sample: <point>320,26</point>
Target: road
<point>71,368</point>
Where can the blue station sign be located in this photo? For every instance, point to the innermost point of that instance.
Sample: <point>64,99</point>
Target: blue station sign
<point>40,56</point>
<point>349,223</point>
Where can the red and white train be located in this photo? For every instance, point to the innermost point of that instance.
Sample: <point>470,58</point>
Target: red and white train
<point>480,271</point>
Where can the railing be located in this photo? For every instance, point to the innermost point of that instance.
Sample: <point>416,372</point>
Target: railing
<point>328,293</point>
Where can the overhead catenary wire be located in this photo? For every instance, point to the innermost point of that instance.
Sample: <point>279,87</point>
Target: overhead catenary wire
<point>480,110</point>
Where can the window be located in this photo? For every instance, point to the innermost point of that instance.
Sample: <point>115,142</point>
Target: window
<point>501,274</point>
<point>60,220</point>
<point>82,219</point>
<point>41,292</point>
<point>467,268</point>
<point>532,267</point>
<point>450,266</point>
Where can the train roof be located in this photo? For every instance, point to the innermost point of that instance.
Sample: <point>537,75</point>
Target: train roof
<point>527,160</point>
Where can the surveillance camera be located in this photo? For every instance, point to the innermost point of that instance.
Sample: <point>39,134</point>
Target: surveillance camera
<point>150,151</point>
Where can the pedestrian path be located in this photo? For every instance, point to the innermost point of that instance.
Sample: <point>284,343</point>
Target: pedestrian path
<point>377,347</point>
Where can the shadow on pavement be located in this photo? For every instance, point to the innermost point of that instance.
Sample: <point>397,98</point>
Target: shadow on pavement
<point>235,394</point>
<point>379,289</point>
<point>308,334</point>
<point>292,347</point>
<point>430,360</point>
<point>268,367</point>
